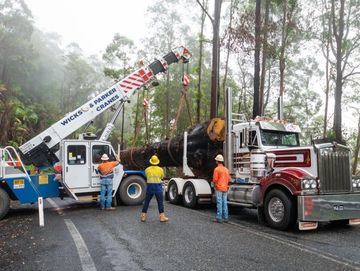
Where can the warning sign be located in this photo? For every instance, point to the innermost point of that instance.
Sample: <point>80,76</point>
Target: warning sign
<point>19,184</point>
<point>43,179</point>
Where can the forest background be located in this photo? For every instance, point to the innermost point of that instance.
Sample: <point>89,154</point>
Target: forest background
<point>307,51</point>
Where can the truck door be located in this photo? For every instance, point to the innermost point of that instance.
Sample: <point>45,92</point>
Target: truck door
<point>97,150</point>
<point>77,164</point>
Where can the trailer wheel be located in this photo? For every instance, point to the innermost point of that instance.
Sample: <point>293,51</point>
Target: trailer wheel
<point>173,193</point>
<point>132,190</point>
<point>4,203</point>
<point>189,195</point>
<point>279,210</point>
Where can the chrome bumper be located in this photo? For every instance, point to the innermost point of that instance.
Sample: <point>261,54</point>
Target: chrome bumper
<point>328,207</point>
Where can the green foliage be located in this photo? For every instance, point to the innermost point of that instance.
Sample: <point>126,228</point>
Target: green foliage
<point>41,81</point>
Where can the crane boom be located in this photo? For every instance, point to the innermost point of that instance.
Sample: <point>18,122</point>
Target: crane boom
<point>41,149</point>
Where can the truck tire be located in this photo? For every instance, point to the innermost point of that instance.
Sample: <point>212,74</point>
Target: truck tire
<point>279,210</point>
<point>4,203</point>
<point>189,195</point>
<point>173,193</point>
<point>132,190</point>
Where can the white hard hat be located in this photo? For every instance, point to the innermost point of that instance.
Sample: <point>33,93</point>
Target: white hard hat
<point>219,158</point>
<point>104,157</point>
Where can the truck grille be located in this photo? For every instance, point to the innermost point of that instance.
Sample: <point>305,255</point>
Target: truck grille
<point>334,168</point>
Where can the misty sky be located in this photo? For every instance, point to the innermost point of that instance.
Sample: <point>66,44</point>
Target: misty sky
<point>91,24</point>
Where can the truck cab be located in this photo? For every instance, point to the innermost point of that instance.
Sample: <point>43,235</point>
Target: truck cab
<point>80,176</point>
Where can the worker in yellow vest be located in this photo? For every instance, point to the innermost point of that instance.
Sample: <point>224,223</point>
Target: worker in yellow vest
<point>154,174</point>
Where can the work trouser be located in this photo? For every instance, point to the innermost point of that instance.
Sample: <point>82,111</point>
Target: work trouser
<point>150,192</point>
<point>106,188</point>
<point>221,205</point>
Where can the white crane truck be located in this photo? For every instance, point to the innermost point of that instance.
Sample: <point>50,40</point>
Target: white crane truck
<point>287,183</point>
<point>78,158</point>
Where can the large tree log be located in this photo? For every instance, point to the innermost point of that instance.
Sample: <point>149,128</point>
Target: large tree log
<point>205,141</point>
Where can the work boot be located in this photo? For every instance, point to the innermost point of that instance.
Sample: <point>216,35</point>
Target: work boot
<point>163,218</point>
<point>143,217</point>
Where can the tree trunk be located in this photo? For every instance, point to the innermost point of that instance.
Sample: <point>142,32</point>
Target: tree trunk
<point>268,88</point>
<point>256,104</point>
<point>339,71</point>
<point>215,61</point>
<point>201,47</point>
<point>227,52</point>
<point>282,49</point>
<point>264,57</point>
<point>327,88</point>
<point>204,142</point>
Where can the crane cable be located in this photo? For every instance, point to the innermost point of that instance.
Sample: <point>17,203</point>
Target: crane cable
<point>138,123</point>
<point>184,96</point>
<point>137,129</point>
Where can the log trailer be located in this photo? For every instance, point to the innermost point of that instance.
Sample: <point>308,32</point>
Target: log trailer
<point>78,158</point>
<point>287,183</point>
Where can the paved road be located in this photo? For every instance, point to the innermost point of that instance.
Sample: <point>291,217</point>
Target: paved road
<point>78,236</point>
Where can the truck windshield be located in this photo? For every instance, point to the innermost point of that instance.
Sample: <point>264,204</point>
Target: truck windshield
<point>278,138</point>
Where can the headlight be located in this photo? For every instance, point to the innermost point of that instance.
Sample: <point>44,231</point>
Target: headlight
<point>356,182</point>
<point>308,183</point>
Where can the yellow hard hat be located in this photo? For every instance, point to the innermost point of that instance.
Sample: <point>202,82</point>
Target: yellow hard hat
<point>219,158</point>
<point>154,160</point>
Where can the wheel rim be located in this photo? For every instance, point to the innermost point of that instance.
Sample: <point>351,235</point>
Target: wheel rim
<point>276,209</point>
<point>173,191</point>
<point>189,194</point>
<point>134,190</point>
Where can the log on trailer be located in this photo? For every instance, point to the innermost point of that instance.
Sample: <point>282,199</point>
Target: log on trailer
<point>205,141</point>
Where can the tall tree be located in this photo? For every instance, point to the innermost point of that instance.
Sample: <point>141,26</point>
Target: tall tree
<point>118,60</point>
<point>264,57</point>
<point>16,52</point>
<point>344,44</point>
<point>166,33</point>
<point>286,25</point>
<point>200,61</point>
<point>256,101</point>
<point>215,21</point>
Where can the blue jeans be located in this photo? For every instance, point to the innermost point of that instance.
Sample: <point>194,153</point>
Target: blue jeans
<point>106,188</point>
<point>221,205</point>
<point>159,198</point>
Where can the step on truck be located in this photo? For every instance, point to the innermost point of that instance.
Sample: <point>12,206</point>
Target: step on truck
<point>287,183</point>
<point>77,159</point>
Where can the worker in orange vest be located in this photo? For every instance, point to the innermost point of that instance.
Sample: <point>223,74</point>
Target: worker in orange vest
<point>106,181</point>
<point>221,180</point>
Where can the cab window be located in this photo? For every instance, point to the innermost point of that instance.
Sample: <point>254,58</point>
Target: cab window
<point>99,150</point>
<point>76,154</point>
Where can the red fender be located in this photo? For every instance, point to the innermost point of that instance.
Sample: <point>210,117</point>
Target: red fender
<point>290,178</point>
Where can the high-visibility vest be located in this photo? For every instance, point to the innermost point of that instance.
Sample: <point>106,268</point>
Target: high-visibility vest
<point>154,174</point>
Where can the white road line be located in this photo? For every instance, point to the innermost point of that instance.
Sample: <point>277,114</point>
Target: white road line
<point>87,262</point>
<point>301,247</point>
<point>55,206</point>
